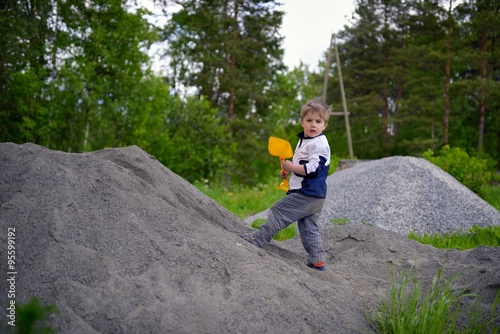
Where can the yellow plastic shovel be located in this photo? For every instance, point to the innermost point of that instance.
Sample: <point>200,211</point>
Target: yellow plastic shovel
<point>280,148</point>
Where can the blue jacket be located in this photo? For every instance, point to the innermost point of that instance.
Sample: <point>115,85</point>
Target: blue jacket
<point>314,155</point>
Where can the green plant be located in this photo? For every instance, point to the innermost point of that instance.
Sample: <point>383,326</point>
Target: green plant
<point>411,308</point>
<point>473,237</point>
<point>334,163</point>
<point>340,221</point>
<point>472,172</point>
<point>287,233</point>
<point>31,317</point>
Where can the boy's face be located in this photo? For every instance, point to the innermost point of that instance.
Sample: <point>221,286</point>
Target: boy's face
<point>313,124</point>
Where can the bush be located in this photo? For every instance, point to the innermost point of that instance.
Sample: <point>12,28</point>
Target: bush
<point>472,172</point>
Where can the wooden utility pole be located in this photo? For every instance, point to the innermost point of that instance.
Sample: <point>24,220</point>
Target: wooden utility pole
<point>344,113</point>
<point>327,69</point>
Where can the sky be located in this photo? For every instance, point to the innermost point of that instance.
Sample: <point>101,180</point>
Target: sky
<point>308,26</point>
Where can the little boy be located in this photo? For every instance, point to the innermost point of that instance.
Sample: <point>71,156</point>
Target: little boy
<point>306,195</point>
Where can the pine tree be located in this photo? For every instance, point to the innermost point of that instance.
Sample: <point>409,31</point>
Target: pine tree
<point>479,83</point>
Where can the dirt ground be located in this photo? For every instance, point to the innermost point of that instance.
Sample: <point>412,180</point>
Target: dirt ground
<point>120,244</point>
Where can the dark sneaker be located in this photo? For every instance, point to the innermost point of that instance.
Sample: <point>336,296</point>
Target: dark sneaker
<point>250,239</point>
<point>320,267</point>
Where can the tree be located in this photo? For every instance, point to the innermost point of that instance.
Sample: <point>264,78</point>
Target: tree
<point>425,99</point>
<point>373,69</point>
<point>70,70</point>
<point>23,68</point>
<point>480,79</point>
<point>194,141</point>
<point>230,52</point>
<point>100,74</point>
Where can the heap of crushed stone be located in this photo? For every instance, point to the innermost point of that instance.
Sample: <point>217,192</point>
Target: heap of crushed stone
<point>121,244</point>
<point>405,194</point>
<point>402,194</point>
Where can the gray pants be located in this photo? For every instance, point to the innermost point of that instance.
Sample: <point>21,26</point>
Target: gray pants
<point>305,211</point>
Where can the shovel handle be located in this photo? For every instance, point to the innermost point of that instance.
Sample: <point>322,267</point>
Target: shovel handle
<point>284,185</point>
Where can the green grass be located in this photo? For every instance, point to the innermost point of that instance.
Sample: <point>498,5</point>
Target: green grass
<point>472,238</point>
<point>244,201</point>
<point>340,221</point>
<point>413,309</point>
<point>287,233</point>
<point>491,194</point>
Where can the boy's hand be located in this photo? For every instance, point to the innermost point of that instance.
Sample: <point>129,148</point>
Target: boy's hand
<point>287,165</point>
<point>283,174</point>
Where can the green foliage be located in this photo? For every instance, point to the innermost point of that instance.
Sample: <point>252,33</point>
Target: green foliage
<point>495,177</point>
<point>76,91</point>
<point>288,232</point>
<point>412,308</point>
<point>470,171</point>
<point>230,54</point>
<point>31,317</point>
<point>473,237</point>
<point>334,163</point>
<point>194,142</point>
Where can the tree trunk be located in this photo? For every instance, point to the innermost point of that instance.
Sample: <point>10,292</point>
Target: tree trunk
<point>87,126</point>
<point>395,122</point>
<point>482,93</point>
<point>447,70</point>
<point>385,121</point>
<point>385,110</point>
<point>87,121</point>
<point>231,115</point>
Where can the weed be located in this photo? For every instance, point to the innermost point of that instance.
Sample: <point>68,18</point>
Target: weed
<point>340,221</point>
<point>413,309</point>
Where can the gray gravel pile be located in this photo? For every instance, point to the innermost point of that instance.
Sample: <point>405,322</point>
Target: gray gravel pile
<point>121,244</point>
<point>403,194</point>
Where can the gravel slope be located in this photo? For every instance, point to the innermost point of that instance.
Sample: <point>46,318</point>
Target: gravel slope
<point>121,244</point>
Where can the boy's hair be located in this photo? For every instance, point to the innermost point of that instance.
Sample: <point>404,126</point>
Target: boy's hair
<point>316,105</point>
